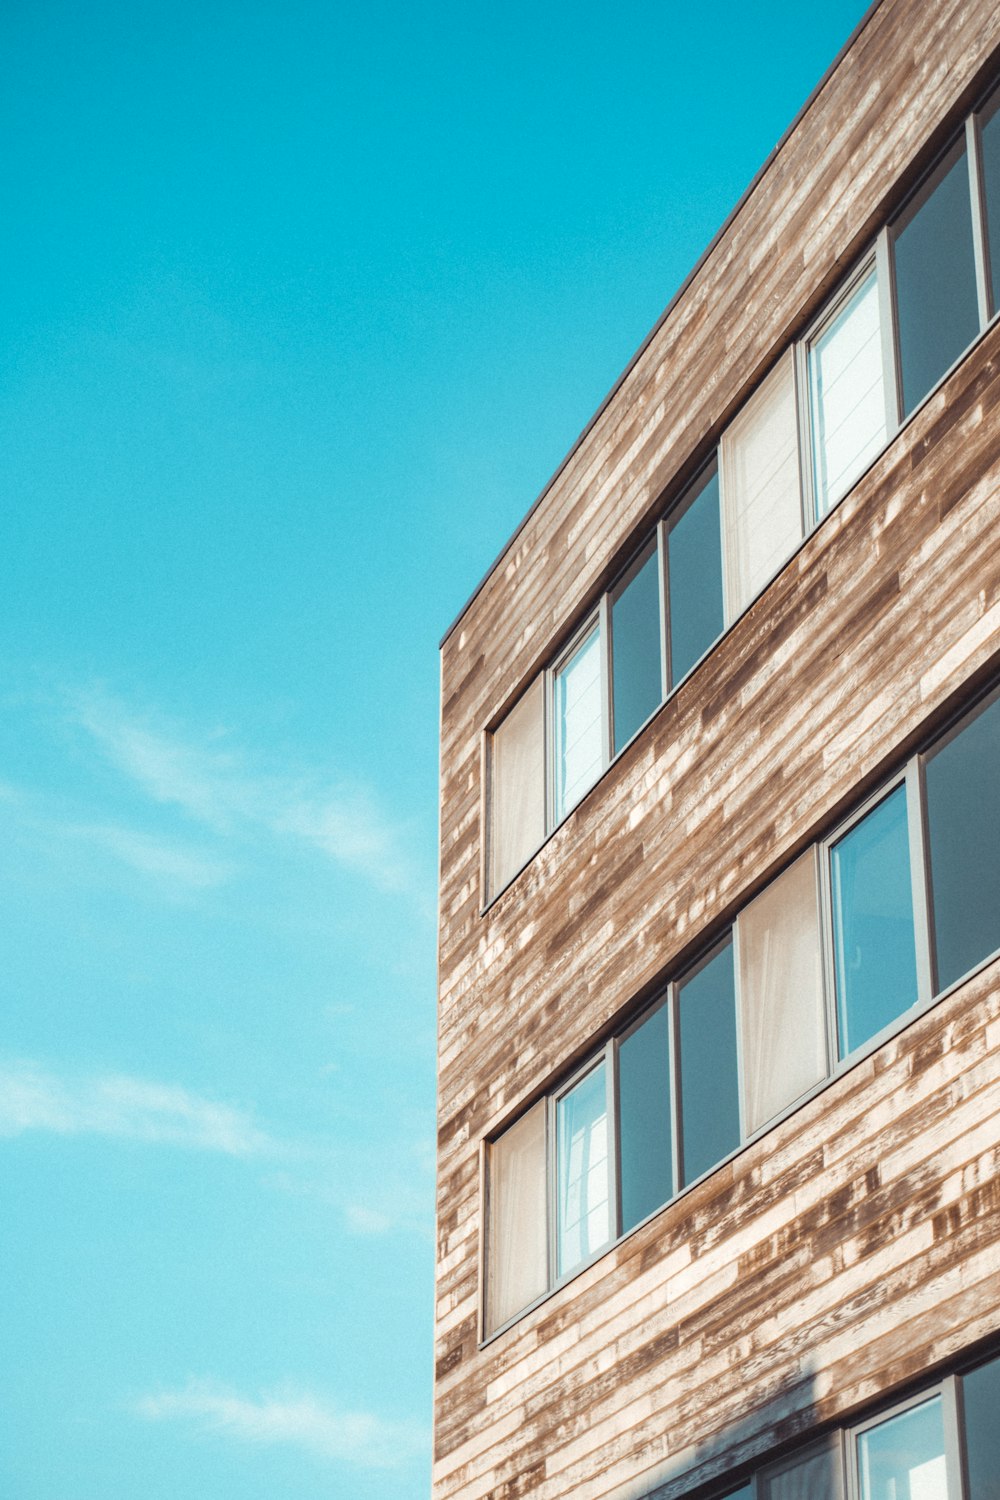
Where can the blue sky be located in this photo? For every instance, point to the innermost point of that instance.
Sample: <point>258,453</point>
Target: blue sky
<point>302,305</point>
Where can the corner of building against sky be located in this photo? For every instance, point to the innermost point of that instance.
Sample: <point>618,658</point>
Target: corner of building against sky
<point>302,305</point>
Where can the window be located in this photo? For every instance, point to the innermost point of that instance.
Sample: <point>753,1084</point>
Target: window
<point>761,496</point>
<point>645,1124</point>
<point>694,575</point>
<point>517,1255</point>
<point>517,787</point>
<point>708,1084</point>
<point>980,1405</point>
<point>636,654</point>
<point>583,1216</point>
<point>940,1445</point>
<point>578,711</point>
<point>903,1457</point>
<point>937,307</point>
<point>989,155</point>
<point>783,1023</point>
<point>813,1474</point>
<point>739,1037</point>
<point>962,778</point>
<point>847,392</point>
<point>874,944</point>
<point>918,298</point>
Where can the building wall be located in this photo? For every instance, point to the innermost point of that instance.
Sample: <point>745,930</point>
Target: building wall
<point>857,1242</point>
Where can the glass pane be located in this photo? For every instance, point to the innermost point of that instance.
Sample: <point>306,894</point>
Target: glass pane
<point>981,1399</point>
<point>518,1264</point>
<point>579,730</point>
<point>903,1458</point>
<point>760,487</point>
<point>582,1137</point>
<point>848,401</point>
<point>635,650</point>
<point>709,1090</point>
<point>782,1014</point>
<point>937,307</point>
<point>694,561</point>
<point>813,1475</point>
<point>874,946</point>
<point>990,138</point>
<point>517,803</point>
<point>963,825</point>
<point>644,1129</point>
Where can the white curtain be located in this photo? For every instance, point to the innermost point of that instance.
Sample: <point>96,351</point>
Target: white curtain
<point>761,492</point>
<point>517,800</point>
<point>517,1263</point>
<point>848,399</point>
<point>782,1014</point>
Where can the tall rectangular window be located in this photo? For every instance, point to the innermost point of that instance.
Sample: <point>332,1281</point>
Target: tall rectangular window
<point>694,575</point>
<point>636,674</point>
<point>814,1474</point>
<point>874,943</point>
<point>708,1079</point>
<point>989,138</point>
<point>645,1133</point>
<point>782,1008</point>
<point>937,305</point>
<point>579,722</point>
<point>981,1403</point>
<point>583,1186</point>
<point>761,492</point>
<point>903,1457</point>
<point>517,787</point>
<point>847,394</point>
<point>517,1247</point>
<point>963,824</point>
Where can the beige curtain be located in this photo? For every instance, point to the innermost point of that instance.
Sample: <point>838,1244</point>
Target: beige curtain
<point>782,1017</point>
<point>761,494</point>
<point>517,1266</point>
<point>813,1475</point>
<point>517,786</point>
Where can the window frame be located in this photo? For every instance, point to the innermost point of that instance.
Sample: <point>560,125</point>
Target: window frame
<point>955,727</point>
<point>953,1436</point>
<point>879,254</point>
<point>986,110</point>
<point>596,620</point>
<point>650,547</point>
<point>910,776</point>
<point>871,262</point>
<point>663,1001</point>
<point>683,501</point>
<point>841,1440</point>
<point>919,195</point>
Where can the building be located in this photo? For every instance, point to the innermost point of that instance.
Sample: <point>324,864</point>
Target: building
<point>719,1129</point>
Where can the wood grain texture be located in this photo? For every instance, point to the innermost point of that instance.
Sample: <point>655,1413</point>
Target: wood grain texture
<point>858,1243</point>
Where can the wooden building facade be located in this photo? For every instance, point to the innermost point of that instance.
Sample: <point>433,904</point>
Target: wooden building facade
<point>719,1039</point>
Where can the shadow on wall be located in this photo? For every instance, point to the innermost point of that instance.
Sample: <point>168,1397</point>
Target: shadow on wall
<point>784,1420</point>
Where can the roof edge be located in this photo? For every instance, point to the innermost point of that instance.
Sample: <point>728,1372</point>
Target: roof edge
<point>678,294</point>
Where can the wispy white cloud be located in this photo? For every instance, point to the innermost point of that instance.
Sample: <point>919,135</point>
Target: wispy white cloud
<point>291,1417</point>
<point>214,783</point>
<point>167,861</point>
<point>35,1099</point>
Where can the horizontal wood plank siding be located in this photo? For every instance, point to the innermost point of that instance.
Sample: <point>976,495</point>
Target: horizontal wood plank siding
<point>857,1244</point>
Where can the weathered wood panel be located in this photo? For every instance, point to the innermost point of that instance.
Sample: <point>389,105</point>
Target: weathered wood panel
<point>858,1243</point>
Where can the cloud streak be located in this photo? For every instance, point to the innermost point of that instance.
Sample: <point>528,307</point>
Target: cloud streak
<point>126,1108</point>
<point>214,784</point>
<point>293,1418</point>
<point>166,861</point>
